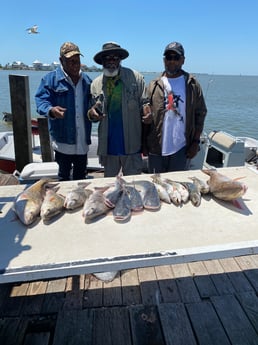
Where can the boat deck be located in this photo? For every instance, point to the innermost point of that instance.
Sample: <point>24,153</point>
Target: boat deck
<point>204,302</point>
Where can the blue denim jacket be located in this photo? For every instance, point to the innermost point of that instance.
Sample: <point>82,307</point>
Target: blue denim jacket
<point>55,90</point>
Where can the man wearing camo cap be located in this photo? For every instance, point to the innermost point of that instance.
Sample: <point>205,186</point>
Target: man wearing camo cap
<point>64,97</point>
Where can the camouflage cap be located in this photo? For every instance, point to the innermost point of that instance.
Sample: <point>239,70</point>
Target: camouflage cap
<point>69,49</point>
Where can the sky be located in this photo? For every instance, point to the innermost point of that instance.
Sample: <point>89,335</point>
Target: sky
<point>219,37</point>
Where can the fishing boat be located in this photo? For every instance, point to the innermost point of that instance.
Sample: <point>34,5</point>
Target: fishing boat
<point>37,168</point>
<point>217,149</point>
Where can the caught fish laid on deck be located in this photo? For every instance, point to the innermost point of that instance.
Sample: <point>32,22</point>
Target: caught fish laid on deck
<point>194,193</point>
<point>183,191</point>
<point>163,193</point>
<point>135,198</point>
<point>52,205</point>
<point>122,210</point>
<point>223,187</point>
<point>95,205</point>
<point>28,203</point>
<point>113,193</point>
<point>202,185</point>
<point>171,188</point>
<point>77,196</point>
<point>149,194</point>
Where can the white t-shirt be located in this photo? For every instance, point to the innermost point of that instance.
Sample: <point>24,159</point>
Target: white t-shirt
<point>173,132</point>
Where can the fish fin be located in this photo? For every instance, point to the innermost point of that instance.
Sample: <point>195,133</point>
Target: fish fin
<point>237,204</point>
<point>83,184</point>
<point>239,178</point>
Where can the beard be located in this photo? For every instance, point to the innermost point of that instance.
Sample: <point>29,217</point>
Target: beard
<point>110,72</point>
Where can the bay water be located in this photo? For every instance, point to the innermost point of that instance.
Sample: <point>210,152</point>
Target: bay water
<point>232,101</point>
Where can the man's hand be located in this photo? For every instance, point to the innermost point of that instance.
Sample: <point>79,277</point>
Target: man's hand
<point>147,114</point>
<point>94,114</point>
<point>57,112</point>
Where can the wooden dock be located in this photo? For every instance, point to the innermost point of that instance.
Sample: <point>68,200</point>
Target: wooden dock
<point>205,302</point>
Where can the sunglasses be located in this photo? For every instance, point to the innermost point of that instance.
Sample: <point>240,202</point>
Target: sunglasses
<point>173,57</point>
<point>111,57</point>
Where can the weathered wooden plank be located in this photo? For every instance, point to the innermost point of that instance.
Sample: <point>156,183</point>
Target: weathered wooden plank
<point>185,283</point>
<point>202,279</point>
<point>249,265</point>
<point>34,298</point>
<point>234,320</point>
<point>111,326</point>
<point>146,327</point>
<point>236,276</point>
<point>55,296</point>
<point>207,327</point>
<point>219,278</point>
<point>93,294</point>
<point>38,338</point>
<point>12,331</point>
<point>149,286</point>
<point>249,302</point>
<point>131,293</point>
<point>167,284</point>
<point>14,303</point>
<point>175,324</point>
<point>74,292</point>
<point>45,142</point>
<point>20,105</point>
<point>112,292</point>
<point>74,327</point>
<point>5,290</point>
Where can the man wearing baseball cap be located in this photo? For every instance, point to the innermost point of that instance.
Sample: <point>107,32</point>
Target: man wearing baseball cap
<point>64,97</point>
<point>179,110</point>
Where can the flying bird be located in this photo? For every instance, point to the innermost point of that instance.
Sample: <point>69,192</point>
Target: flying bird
<point>33,30</point>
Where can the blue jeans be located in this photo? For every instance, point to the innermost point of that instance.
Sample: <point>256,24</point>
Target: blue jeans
<point>67,163</point>
<point>160,164</point>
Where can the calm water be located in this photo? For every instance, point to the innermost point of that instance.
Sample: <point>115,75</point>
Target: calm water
<point>232,101</point>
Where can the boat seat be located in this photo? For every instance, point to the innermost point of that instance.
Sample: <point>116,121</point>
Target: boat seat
<point>225,150</point>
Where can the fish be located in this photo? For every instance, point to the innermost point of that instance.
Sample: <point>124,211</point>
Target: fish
<point>77,196</point>
<point>28,203</point>
<point>180,188</point>
<point>203,186</point>
<point>52,205</point>
<point>113,193</point>
<point>163,194</point>
<point>135,198</point>
<point>171,189</point>
<point>149,194</point>
<point>194,193</point>
<point>122,210</point>
<point>95,205</point>
<point>223,187</point>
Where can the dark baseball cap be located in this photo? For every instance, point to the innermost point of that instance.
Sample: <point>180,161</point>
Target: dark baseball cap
<point>174,47</point>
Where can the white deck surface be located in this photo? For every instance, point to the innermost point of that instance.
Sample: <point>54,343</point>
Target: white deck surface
<point>68,246</point>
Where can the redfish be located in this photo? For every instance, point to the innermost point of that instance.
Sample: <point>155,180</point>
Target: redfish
<point>52,205</point>
<point>28,203</point>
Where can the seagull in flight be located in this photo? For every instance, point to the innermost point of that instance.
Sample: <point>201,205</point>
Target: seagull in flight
<point>33,30</point>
